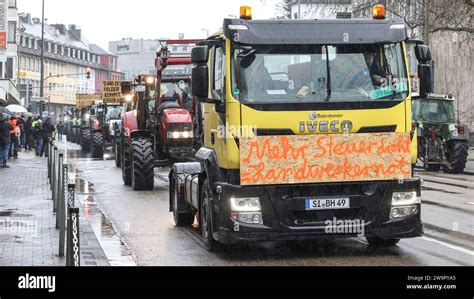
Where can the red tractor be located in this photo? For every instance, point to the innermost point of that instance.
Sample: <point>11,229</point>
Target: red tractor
<point>158,127</point>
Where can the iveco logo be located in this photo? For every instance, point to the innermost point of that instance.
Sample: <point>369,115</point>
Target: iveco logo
<point>313,116</point>
<point>325,126</point>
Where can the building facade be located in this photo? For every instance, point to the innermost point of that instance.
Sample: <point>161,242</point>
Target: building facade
<point>137,56</point>
<point>107,68</point>
<point>9,93</point>
<point>67,58</point>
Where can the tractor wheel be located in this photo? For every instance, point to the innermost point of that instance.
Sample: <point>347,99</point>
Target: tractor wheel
<point>86,140</point>
<point>117,151</point>
<point>457,156</point>
<point>143,177</point>
<point>73,135</point>
<point>126,163</point>
<point>180,219</point>
<point>97,145</point>
<point>77,137</point>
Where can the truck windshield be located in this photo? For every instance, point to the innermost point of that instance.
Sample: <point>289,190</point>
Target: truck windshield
<point>437,111</point>
<point>318,73</point>
<point>175,89</point>
<point>114,112</point>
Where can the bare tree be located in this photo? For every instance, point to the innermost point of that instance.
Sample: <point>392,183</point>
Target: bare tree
<point>424,17</point>
<point>309,8</point>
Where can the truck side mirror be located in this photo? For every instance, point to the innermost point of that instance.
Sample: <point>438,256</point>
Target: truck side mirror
<point>425,74</point>
<point>200,54</point>
<point>422,53</point>
<point>200,79</point>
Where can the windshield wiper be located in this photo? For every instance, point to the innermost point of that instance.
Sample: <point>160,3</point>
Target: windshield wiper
<point>179,87</point>
<point>329,91</point>
<point>247,52</point>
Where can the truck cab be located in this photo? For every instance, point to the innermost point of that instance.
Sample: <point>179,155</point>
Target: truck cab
<point>293,82</point>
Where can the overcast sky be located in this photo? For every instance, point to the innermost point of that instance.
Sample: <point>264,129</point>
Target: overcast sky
<point>106,20</point>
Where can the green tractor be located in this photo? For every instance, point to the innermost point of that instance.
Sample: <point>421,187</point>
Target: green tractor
<point>443,142</point>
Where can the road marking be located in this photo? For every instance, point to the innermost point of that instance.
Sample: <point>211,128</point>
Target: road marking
<point>463,250</point>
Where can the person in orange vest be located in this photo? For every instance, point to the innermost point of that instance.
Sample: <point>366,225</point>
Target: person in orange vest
<point>5,129</point>
<point>15,133</point>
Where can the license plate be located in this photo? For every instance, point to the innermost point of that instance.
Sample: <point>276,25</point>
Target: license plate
<point>328,204</point>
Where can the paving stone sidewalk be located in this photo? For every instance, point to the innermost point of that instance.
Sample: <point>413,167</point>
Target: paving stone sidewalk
<point>28,236</point>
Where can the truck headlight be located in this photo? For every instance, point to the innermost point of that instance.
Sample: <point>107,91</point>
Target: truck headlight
<point>246,204</point>
<point>248,217</point>
<point>405,198</point>
<point>400,212</point>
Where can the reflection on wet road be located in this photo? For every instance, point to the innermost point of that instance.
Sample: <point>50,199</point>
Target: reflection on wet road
<point>136,227</point>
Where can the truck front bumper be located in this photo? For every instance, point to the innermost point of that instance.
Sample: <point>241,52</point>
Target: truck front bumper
<point>283,209</point>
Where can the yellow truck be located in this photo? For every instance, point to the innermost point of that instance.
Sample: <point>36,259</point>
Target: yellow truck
<point>306,132</point>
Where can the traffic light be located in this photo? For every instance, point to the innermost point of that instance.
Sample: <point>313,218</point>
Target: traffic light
<point>88,72</point>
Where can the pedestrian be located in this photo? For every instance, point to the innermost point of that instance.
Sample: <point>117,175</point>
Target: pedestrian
<point>48,129</point>
<point>21,124</point>
<point>28,133</point>
<point>5,139</point>
<point>60,130</point>
<point>14,138</point>
<point>38,135</point>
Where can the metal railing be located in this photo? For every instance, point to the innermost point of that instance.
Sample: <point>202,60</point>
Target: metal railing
<point>67,216</point>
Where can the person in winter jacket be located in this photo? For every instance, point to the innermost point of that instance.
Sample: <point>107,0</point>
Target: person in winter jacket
<point>5,139</point>
<point>48,129</point>
<point>28,127</point>
<point>38,135</point>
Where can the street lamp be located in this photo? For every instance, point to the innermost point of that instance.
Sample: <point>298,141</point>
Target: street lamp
<point>207,32</point>
<point>42,59</point>
<point>299,9</point>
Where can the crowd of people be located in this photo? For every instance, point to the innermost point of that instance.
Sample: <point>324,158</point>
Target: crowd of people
<point>19,132</point>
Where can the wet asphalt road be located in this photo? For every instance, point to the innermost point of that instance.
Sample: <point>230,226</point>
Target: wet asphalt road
<point>143,222</point>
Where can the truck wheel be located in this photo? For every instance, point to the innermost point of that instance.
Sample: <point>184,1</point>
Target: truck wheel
<point>205,219</point>
<point>143,177</point>
<point>457,156</point>
<point>126,167</point>
<point>97,145</point>
<point>379,242</point>
<point>180,219</point>
<point>86,140</point>
<point>117,151</point>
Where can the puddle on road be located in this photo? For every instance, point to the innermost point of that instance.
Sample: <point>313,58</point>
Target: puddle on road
<point>115,249</point>
<point>80,155</point>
